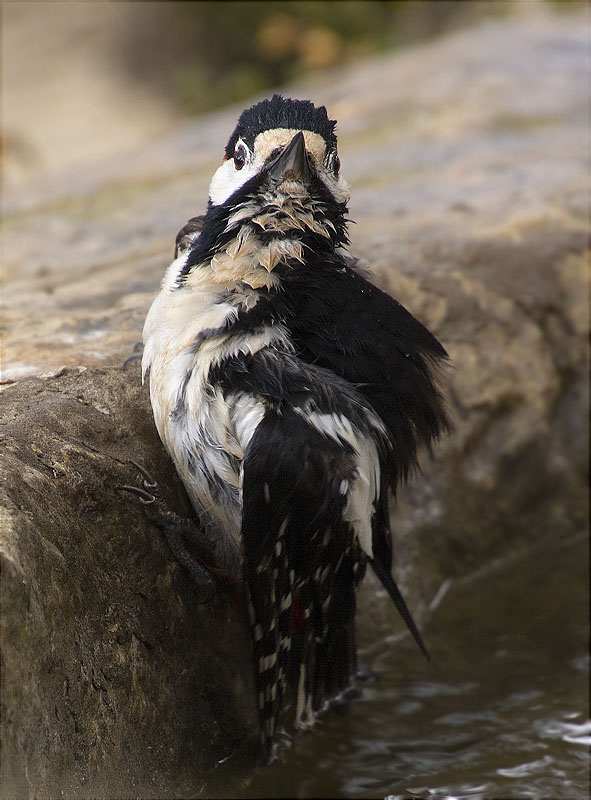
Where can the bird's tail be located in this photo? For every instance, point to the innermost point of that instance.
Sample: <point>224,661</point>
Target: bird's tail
<point>390,586</point>
<point>269,597</point>
<point>324,658</point>
<point>336,649</point>
<point>303,631</point>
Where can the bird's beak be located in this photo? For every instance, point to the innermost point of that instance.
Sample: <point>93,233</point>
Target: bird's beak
<point>293,162</point>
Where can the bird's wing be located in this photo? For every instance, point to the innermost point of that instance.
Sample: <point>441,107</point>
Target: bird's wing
<point>344,323</point>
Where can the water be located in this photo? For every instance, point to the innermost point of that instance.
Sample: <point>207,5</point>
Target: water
<point>501,711</point>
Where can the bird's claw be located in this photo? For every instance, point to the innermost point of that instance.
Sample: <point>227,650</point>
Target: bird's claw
<point>145,497</point>
<point>173,527</point>
<point>149,481</point>
<point>150,493</point>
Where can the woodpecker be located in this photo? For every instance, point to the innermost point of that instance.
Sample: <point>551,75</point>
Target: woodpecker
<point>292,395</point>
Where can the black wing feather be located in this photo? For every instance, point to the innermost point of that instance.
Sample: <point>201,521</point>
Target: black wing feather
<point>344,323</point>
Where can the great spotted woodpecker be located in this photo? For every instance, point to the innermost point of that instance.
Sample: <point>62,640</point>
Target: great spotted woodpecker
<point>292,395</point>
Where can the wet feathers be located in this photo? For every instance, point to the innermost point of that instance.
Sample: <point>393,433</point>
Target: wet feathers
<point>292,395</point>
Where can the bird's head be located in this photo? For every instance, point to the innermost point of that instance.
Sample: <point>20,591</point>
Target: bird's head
<point>278,142</point>
<point>277,196</point>
<point>282,153</point>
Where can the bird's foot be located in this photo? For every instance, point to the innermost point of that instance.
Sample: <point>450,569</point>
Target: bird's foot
<point>175,528</point>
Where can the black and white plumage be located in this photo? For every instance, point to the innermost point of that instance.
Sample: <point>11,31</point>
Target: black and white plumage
<point>292,395</point>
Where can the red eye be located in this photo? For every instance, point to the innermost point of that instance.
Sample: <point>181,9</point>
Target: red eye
<point>240,156</point>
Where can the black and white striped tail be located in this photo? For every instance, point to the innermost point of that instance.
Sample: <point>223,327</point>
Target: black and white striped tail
<point>269,597</point>
<point>303,636</point>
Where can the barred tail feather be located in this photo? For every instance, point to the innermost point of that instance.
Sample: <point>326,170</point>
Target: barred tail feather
<point>336,654</point>
<point>269,601</point>
<point>302,666</point>
<point>263,621</point>
<point>324,658</point>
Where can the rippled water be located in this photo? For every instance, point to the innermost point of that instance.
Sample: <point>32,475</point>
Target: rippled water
<point>501,711</point>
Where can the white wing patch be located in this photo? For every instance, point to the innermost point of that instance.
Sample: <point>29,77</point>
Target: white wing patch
<point>246,415</point>
<point>363,490</point>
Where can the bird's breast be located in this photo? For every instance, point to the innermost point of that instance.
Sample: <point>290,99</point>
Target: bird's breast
<point>187,332</point>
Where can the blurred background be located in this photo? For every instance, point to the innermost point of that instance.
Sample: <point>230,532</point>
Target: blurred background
<point>86,80</point>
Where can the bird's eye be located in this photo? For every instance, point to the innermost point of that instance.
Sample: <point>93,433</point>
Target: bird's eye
<point>336,165</point>
<point>240,156</point>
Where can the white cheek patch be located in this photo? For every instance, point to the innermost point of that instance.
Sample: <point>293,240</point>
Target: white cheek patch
<point>227,179</point>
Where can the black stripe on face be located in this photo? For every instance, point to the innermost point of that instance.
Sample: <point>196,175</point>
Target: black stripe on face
<point>214,236</point>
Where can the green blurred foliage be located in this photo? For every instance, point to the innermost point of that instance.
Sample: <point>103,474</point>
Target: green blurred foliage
<point>208,54</point>
<point>245,47</point>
